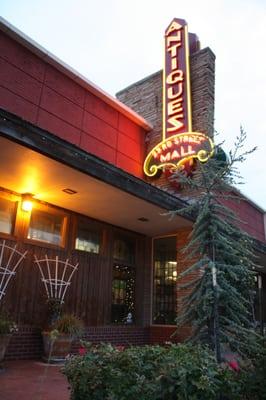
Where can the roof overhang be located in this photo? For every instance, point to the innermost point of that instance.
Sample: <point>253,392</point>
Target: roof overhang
<point>35,161</point>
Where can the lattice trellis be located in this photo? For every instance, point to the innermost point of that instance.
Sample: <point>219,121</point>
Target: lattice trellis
<point>56,275</point>
<point>10,258</point>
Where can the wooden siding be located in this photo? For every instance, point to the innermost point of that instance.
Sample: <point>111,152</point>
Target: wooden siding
<point>90,292</point>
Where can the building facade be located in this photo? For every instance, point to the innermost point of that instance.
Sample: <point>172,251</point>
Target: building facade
<point>78,154</point>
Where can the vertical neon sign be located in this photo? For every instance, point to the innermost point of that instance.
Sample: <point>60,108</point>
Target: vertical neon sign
<point>176,80</point>
<point>179,145</point>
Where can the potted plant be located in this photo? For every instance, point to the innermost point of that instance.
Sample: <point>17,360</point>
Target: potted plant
<point>57,339</point>
<point>7,327</point>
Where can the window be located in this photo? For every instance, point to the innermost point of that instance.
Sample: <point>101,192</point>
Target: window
<point>165,275</point>
<point>87,238</point>
<point>123,293</point>
<point>124,280</point>
<point>7,216</point>
<point>47,226</point>
<point>124,249</point>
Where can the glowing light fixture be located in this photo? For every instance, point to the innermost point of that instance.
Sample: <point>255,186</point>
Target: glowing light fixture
<point>26,203</point>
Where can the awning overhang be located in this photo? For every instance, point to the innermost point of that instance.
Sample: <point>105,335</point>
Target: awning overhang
<point>35,161</point>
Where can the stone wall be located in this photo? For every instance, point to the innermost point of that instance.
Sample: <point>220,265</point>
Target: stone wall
<point>145,96</point>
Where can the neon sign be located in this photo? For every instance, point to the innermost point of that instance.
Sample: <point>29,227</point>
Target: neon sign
<point>179,144</point>
<point>176,81</point>
<point>176,150</point>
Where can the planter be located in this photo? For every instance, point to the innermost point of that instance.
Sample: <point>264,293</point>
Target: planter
<point>56,350</point>
<point>4,341</point>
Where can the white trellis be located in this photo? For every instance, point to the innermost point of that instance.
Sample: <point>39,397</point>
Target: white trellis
<point>10,258</point>
<point>56,275</point>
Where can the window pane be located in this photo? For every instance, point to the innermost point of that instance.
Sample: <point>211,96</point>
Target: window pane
<point>87,239</point>
<point>124,250</point>
<point>123,293</point>
<point>46,227</point>
<point>7,215</point>
<point>165,275</point>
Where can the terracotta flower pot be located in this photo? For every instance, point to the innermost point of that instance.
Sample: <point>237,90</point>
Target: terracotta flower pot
<point>56,350</point>
<point>4,341</point>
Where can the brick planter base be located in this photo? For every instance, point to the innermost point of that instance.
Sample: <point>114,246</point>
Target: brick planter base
<point>27,342</point>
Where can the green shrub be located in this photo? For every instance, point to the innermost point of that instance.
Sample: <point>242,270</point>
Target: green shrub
<point>253,379</point>
<point>68,324</point>
<point>181,372</point>
<point>7,325</point>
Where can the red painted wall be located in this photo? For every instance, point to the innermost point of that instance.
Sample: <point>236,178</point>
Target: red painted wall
<point>37,92</point>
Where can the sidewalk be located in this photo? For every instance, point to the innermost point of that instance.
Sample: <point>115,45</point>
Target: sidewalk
<point>32,380</point>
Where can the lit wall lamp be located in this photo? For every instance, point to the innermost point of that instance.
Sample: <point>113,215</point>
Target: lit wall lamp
<point>26,202</point>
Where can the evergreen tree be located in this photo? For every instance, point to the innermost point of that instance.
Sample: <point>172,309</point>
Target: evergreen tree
<point>219,306</point>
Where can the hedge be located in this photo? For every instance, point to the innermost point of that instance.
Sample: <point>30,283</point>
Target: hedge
<point>180,372</point>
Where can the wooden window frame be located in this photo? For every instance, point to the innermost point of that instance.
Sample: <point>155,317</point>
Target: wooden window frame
<point>133,276</point>
<point>127,237</point>
<point>96,226</point>
<point>153,283</point>
<point>132,264</point>
<point>53,211</point>
<point>14,199</point>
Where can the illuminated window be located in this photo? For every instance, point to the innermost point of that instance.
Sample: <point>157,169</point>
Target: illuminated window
<point>124,281</point>
<point>7,216</point>
<point>123,293</point>
<point>87,238</point>
<point>47,226</point>
<point>165,275</point>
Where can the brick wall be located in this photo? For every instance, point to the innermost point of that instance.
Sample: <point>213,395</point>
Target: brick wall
<point>161,334</point>
<point>116,335</point>
<point>26,344</point>
<point>44,96</point>
<point>182,264</point>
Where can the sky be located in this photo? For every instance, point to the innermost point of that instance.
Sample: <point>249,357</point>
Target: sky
<point>115,43</point>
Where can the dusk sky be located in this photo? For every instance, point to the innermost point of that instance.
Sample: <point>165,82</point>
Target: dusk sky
<point>115,43</point>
